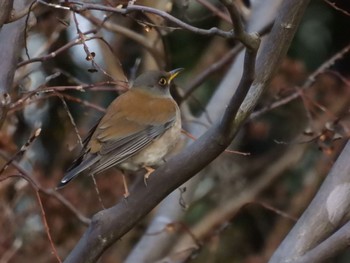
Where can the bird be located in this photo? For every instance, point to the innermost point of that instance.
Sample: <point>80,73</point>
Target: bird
<point>140,127</point>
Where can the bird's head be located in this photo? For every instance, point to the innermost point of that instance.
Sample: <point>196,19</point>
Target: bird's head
<point>157,82</point>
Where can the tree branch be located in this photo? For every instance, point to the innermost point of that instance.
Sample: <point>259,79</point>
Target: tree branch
<point>79,6</point>
<point>12,41</point>
<point>109,225</point>
<point>328,210</point>
<point>153,247</point>
<point>330,247</point>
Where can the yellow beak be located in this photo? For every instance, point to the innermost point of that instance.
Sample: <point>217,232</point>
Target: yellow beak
<point>173,73</point>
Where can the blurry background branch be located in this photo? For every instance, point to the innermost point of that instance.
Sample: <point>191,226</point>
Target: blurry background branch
<point>5,13</point>
<point>12,39</point>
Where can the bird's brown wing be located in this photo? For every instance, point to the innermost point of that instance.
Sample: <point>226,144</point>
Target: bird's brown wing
<point>115,151</point>
<point>121,134</point>
<point>131,123</point>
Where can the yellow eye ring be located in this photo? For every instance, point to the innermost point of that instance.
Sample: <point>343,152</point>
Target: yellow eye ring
<point>162,81</point>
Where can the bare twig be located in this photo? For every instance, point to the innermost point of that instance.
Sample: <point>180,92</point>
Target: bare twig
<point>215,10</point>
<point>326,65</point>
<point>227,210</point>
<point>43,216</point>
<point>247,40</point>
<point>198,80</point>
<point>337,8</point>
<point>79,6</point>
<point>201,77</point>
<point>192,137</point>
<point>37,192</point>
<point>97,192</point>
<point>65,106</point>
<point>275,210</point>
<point>307,84</point>
<point>138,38</point>
<point>26,27</point>
<point>48,192</point>
<point>23,149</point>
<point>53,54</point>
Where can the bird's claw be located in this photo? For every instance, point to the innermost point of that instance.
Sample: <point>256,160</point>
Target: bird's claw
<point>146,176</point>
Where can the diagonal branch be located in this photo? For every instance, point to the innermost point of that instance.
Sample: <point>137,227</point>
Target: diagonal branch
<point>109,225</point>
<point>328,211</point>
<point>330,247</point>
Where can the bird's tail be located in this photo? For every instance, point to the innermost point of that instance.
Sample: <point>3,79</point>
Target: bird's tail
<point>76,169</point>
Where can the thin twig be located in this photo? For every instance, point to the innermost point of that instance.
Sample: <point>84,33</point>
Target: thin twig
<point>21,151</point>
<point>307,84</point>
<point>48,192</point>
<point>79,6</point>
<point>25,28</point>
<point>192,137</point>
<point>326,65</point>
<point>43,216</point>
<point>90,56</point>
<point>200,78</point>
<point>215,10</point>
<point>37,192</point>
<point>98,192</point>
<point>65,106</point>
<point>138,38</point>
<point>53,54</point>
<point>248,40</point>
<point>275,210</point>
<point>337,8</point>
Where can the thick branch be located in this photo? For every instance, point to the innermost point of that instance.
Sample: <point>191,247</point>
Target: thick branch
<point>330,247</point>
<point>109,225</point>
<point>248,76</point>
<point>154,247</point>
<point>325,214</point>
<point>11,44</point>
<point>12,40</point>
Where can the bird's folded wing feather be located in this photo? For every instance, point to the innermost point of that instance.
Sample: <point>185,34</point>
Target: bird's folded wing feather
<point>131,123</point>
<point>121,133</point>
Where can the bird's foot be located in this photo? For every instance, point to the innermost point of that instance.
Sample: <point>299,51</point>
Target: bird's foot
<point>149,171</point>
<point>126,189</point>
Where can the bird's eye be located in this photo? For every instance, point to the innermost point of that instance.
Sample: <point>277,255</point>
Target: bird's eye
<point>162,81</point>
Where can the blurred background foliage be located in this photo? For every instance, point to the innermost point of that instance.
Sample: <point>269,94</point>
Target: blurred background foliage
<point>251,234</point>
